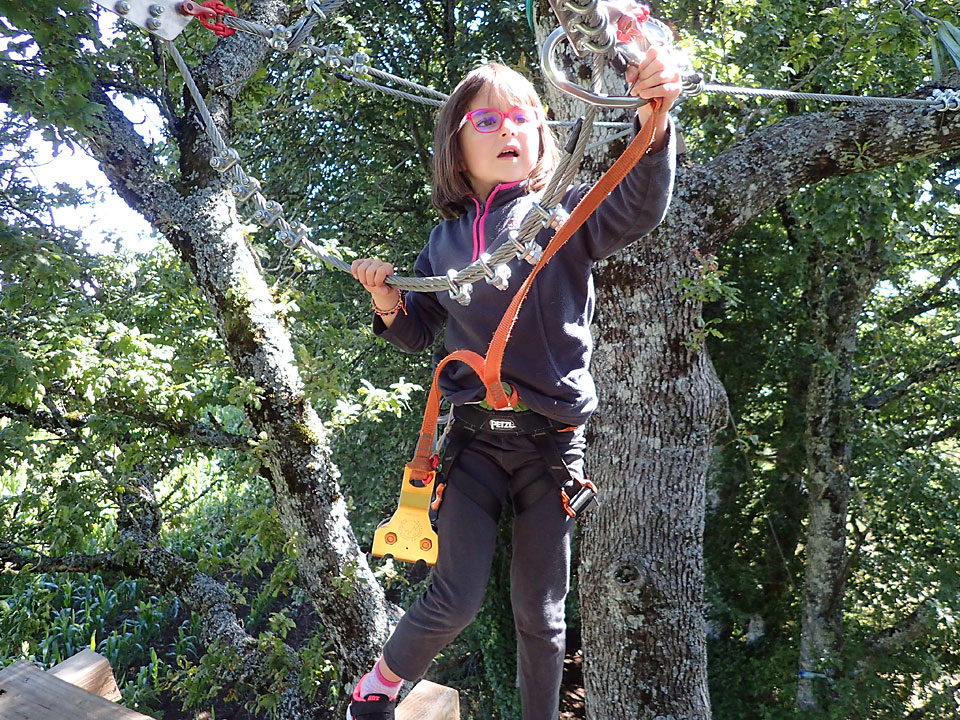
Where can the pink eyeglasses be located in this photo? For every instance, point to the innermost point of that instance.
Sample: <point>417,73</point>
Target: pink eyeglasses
<point>488,120</point>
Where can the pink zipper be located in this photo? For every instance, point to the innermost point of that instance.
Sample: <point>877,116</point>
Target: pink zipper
<point>479,241</point>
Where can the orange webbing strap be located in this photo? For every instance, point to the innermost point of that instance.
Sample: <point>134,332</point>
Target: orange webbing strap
<point>422,462</point>
<point>605,185</point>
<point>488,369</point>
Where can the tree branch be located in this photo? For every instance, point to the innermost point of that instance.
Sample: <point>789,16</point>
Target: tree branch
<point>919,305</point>
<point>952,430</point>
<point>878,398</point>
<point>936,701</point>
<point>714,200</point>
<point>906,632</point>
<point>197,432</point>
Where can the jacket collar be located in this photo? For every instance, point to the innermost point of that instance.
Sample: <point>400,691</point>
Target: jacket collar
<point>500,195</point>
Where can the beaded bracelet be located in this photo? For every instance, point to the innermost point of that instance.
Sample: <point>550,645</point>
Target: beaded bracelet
<point>391,311</point>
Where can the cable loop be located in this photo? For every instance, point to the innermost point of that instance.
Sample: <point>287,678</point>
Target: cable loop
<point>944,99</point>
<point>315,6</point>
<point>460,293</point>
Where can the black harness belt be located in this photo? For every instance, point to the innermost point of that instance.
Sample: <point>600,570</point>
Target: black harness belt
<point>575,494</point>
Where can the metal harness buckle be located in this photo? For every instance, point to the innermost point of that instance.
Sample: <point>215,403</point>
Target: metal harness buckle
<point>583,498</point>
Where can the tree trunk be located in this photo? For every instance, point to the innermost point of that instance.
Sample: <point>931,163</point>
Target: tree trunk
<point>200,221</point>
<point>835,317</point>
<point>641,568</point>
<point>641,573</point>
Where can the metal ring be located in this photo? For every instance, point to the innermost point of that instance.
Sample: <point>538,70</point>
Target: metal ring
<point>574,7</point>
<point>556,77</point>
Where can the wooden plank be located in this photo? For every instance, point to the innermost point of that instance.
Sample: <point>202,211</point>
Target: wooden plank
<point>28,693</point>
<point>89,671</point>
<point>429,701</point>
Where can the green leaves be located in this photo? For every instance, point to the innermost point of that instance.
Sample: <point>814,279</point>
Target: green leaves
<point>946,49</point>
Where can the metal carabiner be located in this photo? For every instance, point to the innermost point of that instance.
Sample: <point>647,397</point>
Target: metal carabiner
<point>556,77</point>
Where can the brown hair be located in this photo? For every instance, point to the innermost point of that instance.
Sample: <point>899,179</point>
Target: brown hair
<point>450,185</point>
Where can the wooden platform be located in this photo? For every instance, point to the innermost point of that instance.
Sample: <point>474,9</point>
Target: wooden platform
<point>89,671</point>
<point>429,701</point>
<point>84,688</point>
<point>29,693</point>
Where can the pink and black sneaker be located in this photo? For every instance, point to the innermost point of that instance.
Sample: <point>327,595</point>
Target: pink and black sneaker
<point>374,706</point>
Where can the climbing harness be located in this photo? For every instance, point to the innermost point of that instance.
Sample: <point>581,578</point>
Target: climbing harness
<point>606,31</point>
<point>576,493</point>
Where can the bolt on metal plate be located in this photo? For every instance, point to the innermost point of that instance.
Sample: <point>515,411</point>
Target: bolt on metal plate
<point>158,17</point>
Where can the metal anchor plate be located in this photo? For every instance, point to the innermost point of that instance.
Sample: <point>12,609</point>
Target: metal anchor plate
<point>158,17</point>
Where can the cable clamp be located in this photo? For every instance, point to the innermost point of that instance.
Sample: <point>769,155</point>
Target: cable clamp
<point>332,56</point>
<point>268,214</point>
<point>593,31</point>
<point>498,276</point>
<point>691,85</point>
<point>460,293</point>
<point>551,218</point>
<point>277,37</point>
<point>585,9</point>
<point>246,188</point>
<point>222,163</point>
<point>944,100</point>
<point>529,251</point>
<point>293,236</point>
<point>355,61</point>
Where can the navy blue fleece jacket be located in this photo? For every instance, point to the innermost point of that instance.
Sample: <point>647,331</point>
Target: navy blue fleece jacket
<point>548,355</point>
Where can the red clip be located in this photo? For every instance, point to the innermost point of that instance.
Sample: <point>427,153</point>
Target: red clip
<point>209,11</point>
<point>630,24</point>
<point>434,462</point>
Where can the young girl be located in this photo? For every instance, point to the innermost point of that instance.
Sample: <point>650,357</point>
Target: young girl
<point>493,155</point>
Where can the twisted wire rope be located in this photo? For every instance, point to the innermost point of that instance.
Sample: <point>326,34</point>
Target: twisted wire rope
<point>821,97</point>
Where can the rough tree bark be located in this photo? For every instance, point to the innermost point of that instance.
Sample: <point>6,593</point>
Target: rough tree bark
<point>712,201</point>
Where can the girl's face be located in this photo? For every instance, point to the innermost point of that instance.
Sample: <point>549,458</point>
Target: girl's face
<point>504,156</point>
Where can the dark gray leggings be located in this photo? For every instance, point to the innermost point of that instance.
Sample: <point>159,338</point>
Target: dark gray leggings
<point>539,571</point>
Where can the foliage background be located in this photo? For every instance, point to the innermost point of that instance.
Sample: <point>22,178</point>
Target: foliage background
<point>109,361</point>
